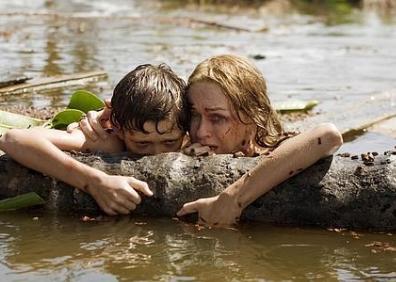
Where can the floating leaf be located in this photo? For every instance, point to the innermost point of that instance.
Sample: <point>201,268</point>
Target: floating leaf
<point>12,120</point>
<point>21,201</point>
<point>62,119</point>
<point>295,105</point>
<point>85,101</point>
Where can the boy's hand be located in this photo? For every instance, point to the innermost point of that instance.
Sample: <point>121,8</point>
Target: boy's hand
<point>115,194</point>
<point>197,149</point>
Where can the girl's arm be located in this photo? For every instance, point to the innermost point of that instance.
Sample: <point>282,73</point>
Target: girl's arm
<point>291,157</point>
<point>41,150</point>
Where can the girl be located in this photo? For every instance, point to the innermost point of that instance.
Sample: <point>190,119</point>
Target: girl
<point>231,112</point>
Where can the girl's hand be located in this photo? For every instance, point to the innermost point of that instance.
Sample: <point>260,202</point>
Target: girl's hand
<point>219,211</point>
<point>197,149</point>
<point>94,124</point>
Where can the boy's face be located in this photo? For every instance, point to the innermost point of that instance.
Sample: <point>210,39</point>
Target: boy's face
<point>153,142</point>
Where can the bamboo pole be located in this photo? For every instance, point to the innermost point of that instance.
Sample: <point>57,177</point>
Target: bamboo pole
<point>52,82</point>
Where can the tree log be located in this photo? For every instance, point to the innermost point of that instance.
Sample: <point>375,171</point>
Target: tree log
<point>338,191</point>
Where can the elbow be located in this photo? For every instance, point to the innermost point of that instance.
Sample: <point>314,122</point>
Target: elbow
<point>332,138</point>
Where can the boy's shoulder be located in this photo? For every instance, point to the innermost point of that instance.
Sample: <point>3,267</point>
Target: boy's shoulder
<point>112,144</point>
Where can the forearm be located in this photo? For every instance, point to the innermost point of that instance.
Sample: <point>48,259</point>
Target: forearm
<point>290,158</point>
<point>42,155</point>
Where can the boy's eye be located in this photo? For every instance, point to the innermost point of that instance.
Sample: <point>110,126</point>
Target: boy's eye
<point>170,142</point>
<point>142,143</point>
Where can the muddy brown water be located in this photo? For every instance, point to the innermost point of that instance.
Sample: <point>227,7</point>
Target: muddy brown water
<point>337,59</point>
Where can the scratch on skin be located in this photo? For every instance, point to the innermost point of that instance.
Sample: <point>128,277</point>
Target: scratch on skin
<point>319,141</point>
<point>300,169</point>
<point>291,172</point>
<point>203,220</point>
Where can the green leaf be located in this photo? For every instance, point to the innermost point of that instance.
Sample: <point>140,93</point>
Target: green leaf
<point>62,119</point>
<point>12,120</point>
<point>85,101</point>
<point>295,105</point>
<point>21,201</point>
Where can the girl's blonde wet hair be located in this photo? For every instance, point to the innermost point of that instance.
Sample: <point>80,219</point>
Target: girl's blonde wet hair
<point>245,87</point>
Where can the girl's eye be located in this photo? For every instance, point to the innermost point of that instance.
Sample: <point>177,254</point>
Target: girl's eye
<point>217,118</point>
<point>194,115</point>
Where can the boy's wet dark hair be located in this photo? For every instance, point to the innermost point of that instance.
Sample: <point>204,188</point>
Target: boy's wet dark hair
<point>149,93</point>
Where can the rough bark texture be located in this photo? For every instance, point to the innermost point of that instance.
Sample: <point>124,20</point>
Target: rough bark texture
<point>335,192</point>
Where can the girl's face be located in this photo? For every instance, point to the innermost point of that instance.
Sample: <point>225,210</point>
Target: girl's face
<point>215,123</point>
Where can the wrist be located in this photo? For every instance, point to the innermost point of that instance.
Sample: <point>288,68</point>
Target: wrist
<point>240,191</point>
<point>91,178</point>
<point>233,195</point>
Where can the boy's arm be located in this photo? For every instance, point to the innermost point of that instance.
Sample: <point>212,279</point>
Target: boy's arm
<point>291,157</point>
<point>41,149</point>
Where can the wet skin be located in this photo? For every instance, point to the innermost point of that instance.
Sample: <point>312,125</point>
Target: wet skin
<point>168,138</point>
<point>215,123</point>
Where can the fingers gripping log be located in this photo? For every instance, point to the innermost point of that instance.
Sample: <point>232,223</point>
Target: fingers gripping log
<point>335,192</point>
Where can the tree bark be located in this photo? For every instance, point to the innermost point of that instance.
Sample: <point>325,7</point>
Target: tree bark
<point>335,192</point>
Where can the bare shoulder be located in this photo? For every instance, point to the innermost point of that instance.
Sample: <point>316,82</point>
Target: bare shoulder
<point>112,144</point>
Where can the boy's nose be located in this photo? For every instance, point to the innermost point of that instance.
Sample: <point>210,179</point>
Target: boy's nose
<point>157,149</point>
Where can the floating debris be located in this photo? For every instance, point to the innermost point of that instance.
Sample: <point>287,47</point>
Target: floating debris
<point>259,57</point>
<point>344,155</point>
<point>381,247</point>
<point>13,80</point>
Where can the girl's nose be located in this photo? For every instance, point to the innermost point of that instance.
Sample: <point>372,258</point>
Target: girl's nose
<point>204,130</point>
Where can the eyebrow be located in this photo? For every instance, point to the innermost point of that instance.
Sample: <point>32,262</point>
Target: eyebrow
<point>170,138</point>
<point>212,109</point>
<point>215,109</point>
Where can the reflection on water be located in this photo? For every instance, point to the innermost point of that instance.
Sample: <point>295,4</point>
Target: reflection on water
<point>54,248</point>
<point>369,142</point>
<point>304,56</point>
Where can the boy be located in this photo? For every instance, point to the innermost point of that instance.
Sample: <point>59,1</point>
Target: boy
<point>148,116</point>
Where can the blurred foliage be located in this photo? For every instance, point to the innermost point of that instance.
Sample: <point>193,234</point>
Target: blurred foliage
<point>331,11</point>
